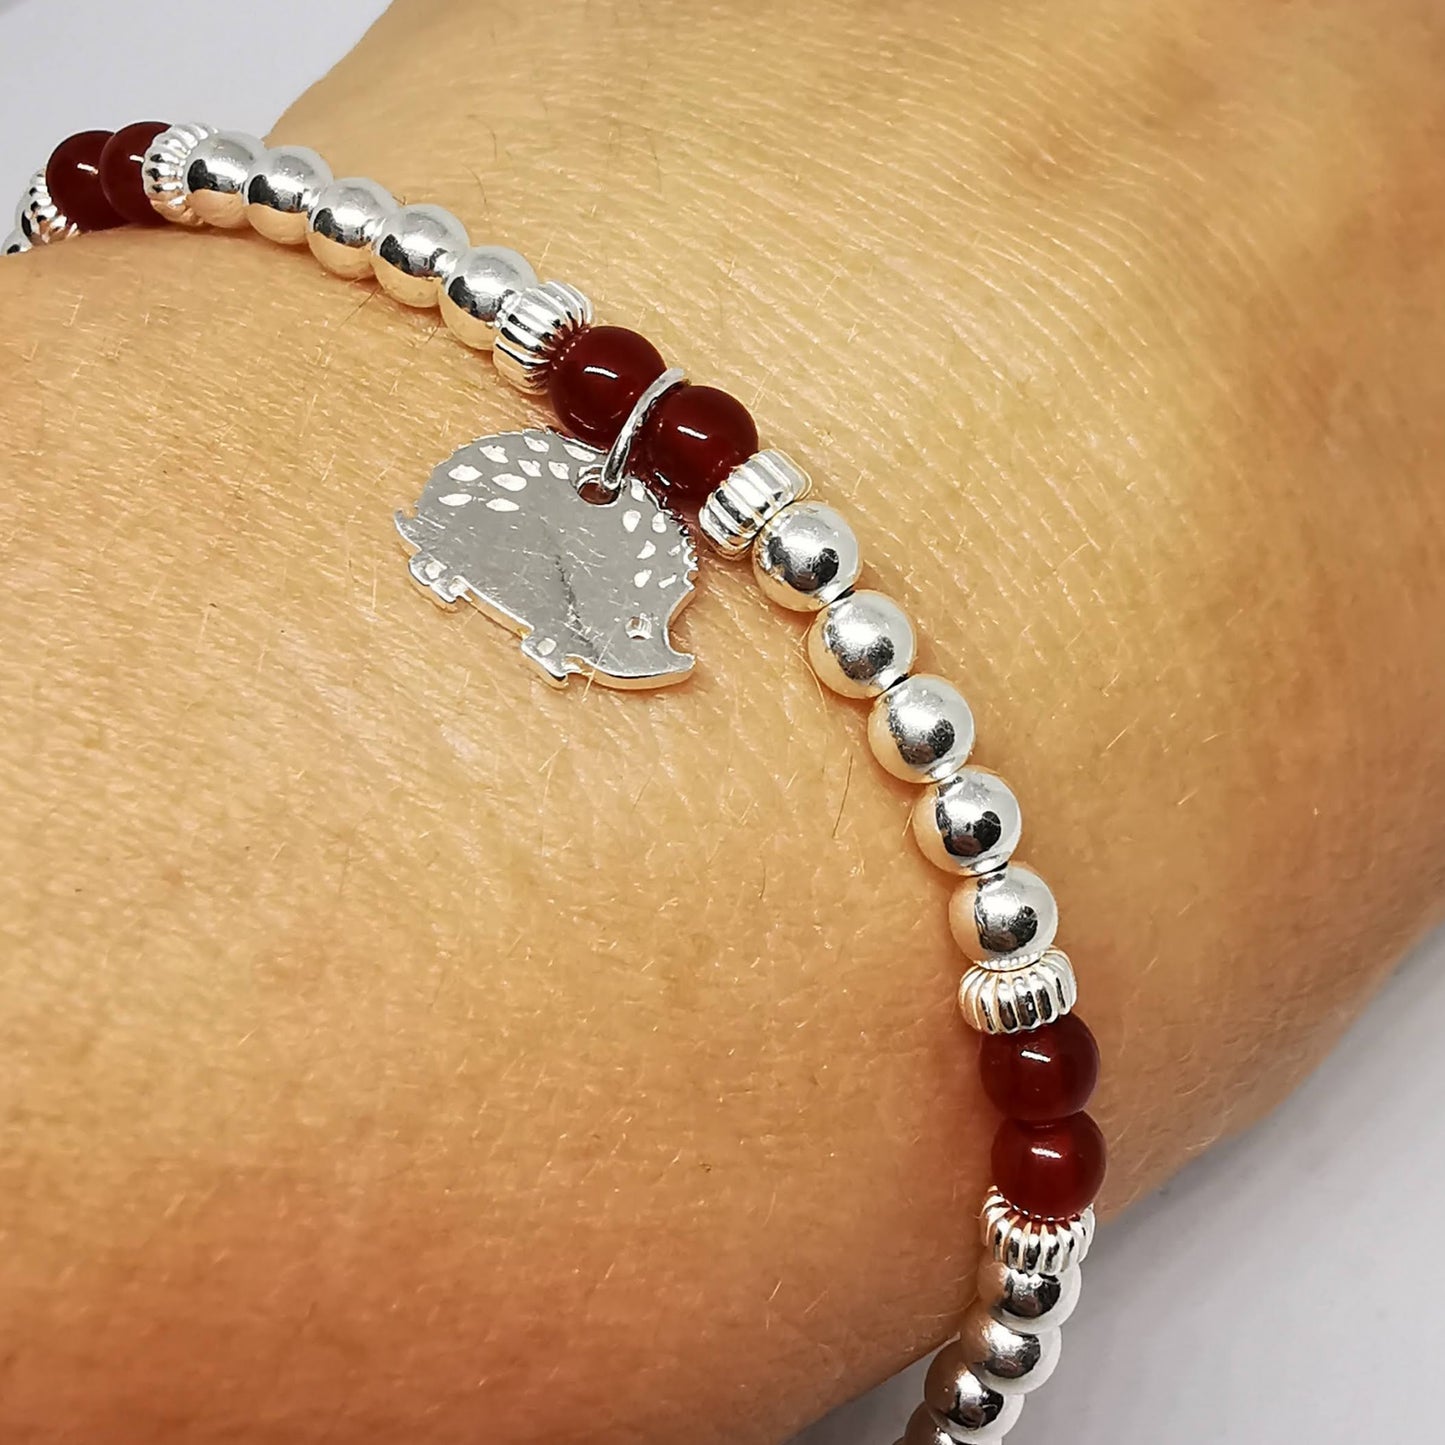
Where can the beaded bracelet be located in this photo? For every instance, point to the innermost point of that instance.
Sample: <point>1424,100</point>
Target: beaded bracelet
<point>573,540</point>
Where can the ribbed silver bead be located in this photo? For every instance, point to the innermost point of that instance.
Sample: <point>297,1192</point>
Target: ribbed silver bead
<point>1019,999</point>
<point>531,328</point>
<point>14,244</point>
<point>1036,1246</point>
<point>750,496</point>
<point>38,219</point>
<point>164,171</point>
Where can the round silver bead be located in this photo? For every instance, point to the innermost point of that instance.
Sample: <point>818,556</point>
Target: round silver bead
<point>215,177</point>
<point>280,190</point>
<point>14,244</point>
<point>483,280</point>
<point>968,823</point>
<point>1011,1361</point>
<point>921,730</point>
<point>164,171</point>
<point>1033,1245</point>
<point>968,1408</point>
<point>38,219</point>
<point>344,220</point>
<point>806,557</point>
<point>414,249</point>
<point>1029,1301</point>
<point>748,498</point>
<point>1018,999</point>
<point>1005,918</point>
<point>531,327</point>
<point>861,645</point>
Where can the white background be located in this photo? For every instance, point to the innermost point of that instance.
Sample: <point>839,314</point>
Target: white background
<point>1264,1295</point>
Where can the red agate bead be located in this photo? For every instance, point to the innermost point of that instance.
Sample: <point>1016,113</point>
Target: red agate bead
<point>694,437</point>
<point>1051,1170</point>
<point>1046,1073</point>
<point>72,176</point>
<point>598,378</point>
<point>121,176</point>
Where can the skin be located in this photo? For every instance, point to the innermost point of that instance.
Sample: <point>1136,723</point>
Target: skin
<point>394,1049</point>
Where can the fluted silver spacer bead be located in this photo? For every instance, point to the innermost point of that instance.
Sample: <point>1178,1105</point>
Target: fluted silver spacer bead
<point>14,244</point>
<point>280,191</point>
<point>1036,1246</point>
<point>164,171</point>
<point>531,328</point>
<point>1019,999</point>
<point>1009,1360</point>
<point>750,496</point>
<point>38,219</point>
<point>214,177</point>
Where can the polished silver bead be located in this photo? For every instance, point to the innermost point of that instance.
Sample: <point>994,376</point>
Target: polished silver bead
<point>344,220</point>
<point>1006,918</point>
<point>38,219</point>
<point>483,280</point>
<point>215,177</point>
<point>14,244</point>
<point>748,498</point>
<point>1011,1361</point>
<point>968,823</point>
<point>806,557</point>
<point>968,1408</point>
<point>164,171</point>
<point>1033,1245</point>
<point>861,645</point>
<point>1018,999</point>
<point>416,247</point>
<point>1028,1301</point>
<point>531,327</point>
<point>280,190</point>
<point>921,729</point>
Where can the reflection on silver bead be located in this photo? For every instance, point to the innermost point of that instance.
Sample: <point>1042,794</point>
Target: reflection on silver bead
<point>1018,999</point>
<point>749,497</point>
<point>1006,918</point>
<point>1029,1301</point>
<point>1011,1361</point>
<point>806,557</point>
<point>14,244</point>
<point>215,175</point>
<point>38,219</point>
<point>164,171</point>
<point>861,645</point>
<point>921,730</point>
<point>1036,1246</point>
<point>971,1410</point>
<point>346,217</point>
<point>280,190</point>
<point>969,823</point>
<point>416,247</point>
<point>531,327</point>
<point>924,1428</point>
<point>483,280</point>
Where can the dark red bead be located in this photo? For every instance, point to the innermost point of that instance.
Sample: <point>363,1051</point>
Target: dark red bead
<point>695,436</point>
<point>1046,1073</point>
<point>121,180</point>
<point>72,175</point>
<point>597,379</point>
<point>1051,1170</point>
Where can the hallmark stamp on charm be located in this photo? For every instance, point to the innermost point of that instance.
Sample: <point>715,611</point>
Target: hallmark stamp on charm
<point>590,586</point>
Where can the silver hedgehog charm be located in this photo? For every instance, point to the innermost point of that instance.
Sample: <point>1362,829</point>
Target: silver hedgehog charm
<point>590,586</point>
